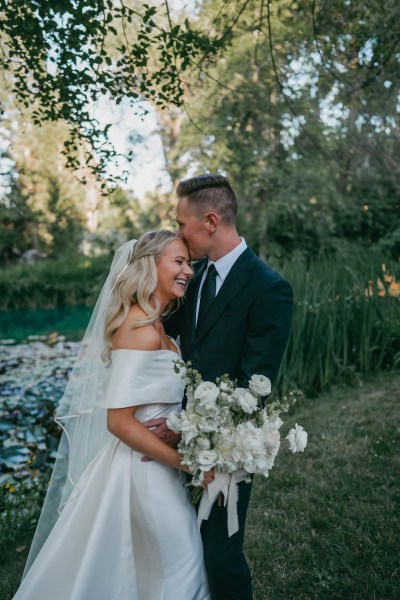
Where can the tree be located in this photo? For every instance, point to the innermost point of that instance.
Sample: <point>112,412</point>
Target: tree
<point>59,56</point>
<point>303,103</point>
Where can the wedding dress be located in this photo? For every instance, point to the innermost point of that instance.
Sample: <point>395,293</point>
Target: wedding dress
<point>128,531</point>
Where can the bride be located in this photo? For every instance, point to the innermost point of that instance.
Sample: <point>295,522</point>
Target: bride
<point>115,527</point>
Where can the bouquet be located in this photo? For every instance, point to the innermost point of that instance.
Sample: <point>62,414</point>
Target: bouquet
<point>229,428</point>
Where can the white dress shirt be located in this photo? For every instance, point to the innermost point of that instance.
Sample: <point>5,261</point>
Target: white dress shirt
<point>223,265</point>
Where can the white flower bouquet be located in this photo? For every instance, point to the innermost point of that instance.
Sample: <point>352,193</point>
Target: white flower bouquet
<point>229,428</point>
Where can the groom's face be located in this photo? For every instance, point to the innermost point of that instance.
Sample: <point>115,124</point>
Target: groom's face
<point>192,229</point>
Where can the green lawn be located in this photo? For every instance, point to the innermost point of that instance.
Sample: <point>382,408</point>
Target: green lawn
<point>326,524</point>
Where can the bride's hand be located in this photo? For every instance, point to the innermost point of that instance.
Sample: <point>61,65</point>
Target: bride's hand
<point>208,478</point>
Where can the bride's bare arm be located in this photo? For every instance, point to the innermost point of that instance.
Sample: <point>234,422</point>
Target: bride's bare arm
<point>122,423</point>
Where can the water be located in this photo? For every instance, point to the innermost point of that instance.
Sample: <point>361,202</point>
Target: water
<point>69,321</point>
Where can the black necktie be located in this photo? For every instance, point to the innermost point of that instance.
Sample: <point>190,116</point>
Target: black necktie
<point>207,292</point>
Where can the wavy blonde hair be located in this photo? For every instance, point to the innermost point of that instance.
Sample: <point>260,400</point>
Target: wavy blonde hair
<point>136,285</point>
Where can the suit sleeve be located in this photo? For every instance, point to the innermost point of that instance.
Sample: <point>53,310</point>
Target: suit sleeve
<point>268,328</point>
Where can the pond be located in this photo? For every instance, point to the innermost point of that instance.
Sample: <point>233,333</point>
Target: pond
<point>70,321</point>
<point>33,376</point>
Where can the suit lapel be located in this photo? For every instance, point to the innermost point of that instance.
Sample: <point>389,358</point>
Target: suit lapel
<point>236,279</point>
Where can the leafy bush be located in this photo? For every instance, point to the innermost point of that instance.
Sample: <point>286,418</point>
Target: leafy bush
<point>68,280</point>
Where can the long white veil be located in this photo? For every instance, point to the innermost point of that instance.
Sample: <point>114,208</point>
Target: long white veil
<point>80,414</point>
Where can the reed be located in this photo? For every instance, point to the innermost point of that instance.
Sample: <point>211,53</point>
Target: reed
<point>346,321</point>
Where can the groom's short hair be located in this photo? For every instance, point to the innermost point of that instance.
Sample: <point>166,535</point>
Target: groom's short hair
<point>210,193</point>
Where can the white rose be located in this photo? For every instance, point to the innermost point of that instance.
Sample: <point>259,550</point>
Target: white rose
<point>207,459</point>
<point>207,425</point>
<point>207,394</point>
<point>203,443</point>
<point>297,439</point>
<point>224,387</point>
<point>188,427</point>
<point>246,400</point>
<point>259,384</point>
<point>199,409</point>
<point>174,421</point>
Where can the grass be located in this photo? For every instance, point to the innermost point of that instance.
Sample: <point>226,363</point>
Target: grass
<point>325,525</point>
<point>346,321</point>
<point>19,511</point>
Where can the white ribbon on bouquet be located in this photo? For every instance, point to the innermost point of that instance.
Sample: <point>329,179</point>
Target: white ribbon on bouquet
<point>225,483</point>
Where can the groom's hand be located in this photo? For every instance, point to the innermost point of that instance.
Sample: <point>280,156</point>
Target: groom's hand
<point>160,429</point>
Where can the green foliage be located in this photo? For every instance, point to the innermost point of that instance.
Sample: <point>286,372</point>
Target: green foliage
<point>300,110</point>
<point>59,56</point>
<point>302,115</point>
<point>68,280</point>
<point>44,207</point>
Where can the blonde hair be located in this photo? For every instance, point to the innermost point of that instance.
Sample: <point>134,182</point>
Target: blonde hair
<point>136,285</point>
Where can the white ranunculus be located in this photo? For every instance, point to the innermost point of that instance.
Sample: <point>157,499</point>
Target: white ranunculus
<point>260,384</point>
<point>263,464</point>
<point>207,459</point>
<point>207,394</point>
<point>297,439</point>
<point>249,443</point>
<point>274,422</point>
<point>272,443</point>
<point>174,421</point>
<point>249,465</point>
<point>246,400</point>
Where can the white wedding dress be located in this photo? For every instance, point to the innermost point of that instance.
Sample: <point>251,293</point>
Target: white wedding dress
<point>129,531</point>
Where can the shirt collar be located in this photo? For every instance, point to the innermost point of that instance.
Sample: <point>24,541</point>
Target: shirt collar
<point>225,263</point>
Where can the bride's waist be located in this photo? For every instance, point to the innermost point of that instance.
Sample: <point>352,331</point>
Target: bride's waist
<point>155,411</point>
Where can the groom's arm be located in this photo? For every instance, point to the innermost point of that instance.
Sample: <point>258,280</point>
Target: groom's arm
<point>268,328</point>
<point>160,429</point>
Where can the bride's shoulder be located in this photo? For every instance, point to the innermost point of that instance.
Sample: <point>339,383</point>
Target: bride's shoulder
<point>144,337</point>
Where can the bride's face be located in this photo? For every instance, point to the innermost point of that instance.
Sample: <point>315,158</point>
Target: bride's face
<point>174,271</point>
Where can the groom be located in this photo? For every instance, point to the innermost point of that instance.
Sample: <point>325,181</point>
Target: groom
<point>236,320</point>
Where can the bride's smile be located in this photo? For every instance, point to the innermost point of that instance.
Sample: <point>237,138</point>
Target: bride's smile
<point>174,271</point>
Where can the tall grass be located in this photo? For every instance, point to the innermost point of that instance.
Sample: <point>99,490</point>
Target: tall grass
<point>346,321</point>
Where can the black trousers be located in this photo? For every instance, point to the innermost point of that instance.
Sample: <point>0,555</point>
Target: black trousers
<point>228,572</point>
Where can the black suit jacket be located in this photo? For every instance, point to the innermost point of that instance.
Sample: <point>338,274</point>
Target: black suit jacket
<point>247,327</point>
